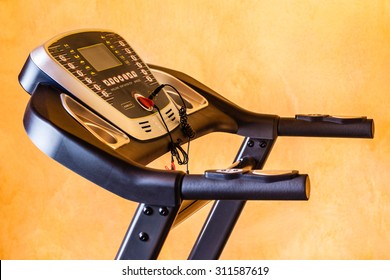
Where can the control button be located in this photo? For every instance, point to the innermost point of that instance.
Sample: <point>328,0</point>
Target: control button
<point>328,118</point>
<point>105,93</point>
<point>71,65</point>
<point>345,119</point>
<point>145,103</point>
<point>311,117</point>
<point>88,80</point>
<point>129,75</point>
<point>269,176</point>
<point>97,87</point>
<point>229,170</point>
<point>274,172</point>
<point>225,174</point>
<point>106,82</point>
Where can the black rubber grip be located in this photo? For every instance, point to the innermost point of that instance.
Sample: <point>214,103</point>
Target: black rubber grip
<point>326,127</point>
<point>198,187</point>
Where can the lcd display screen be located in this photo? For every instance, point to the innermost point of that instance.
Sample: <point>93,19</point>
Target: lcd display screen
<point>100,57</point>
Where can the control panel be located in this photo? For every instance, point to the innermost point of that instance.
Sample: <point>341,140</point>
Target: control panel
<point>100,69</point>
<point>106,64</point>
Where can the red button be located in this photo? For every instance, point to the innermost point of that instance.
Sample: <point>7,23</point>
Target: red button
<point>146,103</point>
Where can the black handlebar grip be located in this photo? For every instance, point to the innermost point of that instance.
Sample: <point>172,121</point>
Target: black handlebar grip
<point>326,126</point>
<point>198,187</point>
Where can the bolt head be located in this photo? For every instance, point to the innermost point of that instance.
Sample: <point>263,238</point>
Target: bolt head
<point>148,211</point>
<point>251,143</point>
<point>163,211</point>
<point>143,236</point>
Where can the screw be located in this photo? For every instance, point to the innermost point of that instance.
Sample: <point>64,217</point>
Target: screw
<point>263,144</point>
<point>163,211</point>
<point>143,236</point>
<point>250,143</point>
<point>148,211</point>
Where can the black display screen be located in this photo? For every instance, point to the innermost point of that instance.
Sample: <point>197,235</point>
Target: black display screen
<point>100,57</point>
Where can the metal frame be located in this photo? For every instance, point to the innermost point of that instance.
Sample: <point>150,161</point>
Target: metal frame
<point>147,232</point>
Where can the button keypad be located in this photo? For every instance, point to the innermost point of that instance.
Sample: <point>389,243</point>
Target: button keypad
<point>114,84</point>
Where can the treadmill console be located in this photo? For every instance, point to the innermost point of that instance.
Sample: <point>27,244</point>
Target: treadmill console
<point>100,69</point>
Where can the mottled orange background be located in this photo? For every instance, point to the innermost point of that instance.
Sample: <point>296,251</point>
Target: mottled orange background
<point>279,57</point>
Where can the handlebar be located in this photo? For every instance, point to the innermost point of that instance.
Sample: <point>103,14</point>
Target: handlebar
<point>250,124</point>
<point>326,126</point>
<point>245,187</point>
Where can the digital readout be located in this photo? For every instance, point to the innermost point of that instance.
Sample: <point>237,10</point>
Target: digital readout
<point>100,57</point>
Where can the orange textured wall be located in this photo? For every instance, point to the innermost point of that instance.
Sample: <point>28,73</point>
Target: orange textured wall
<point>279,57</point>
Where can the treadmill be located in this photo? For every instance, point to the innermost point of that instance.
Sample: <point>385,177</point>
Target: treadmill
<point>98,109</point>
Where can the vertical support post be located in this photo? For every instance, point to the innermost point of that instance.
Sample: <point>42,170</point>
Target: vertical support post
<point>147,232</point>
<point>224,214</point>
